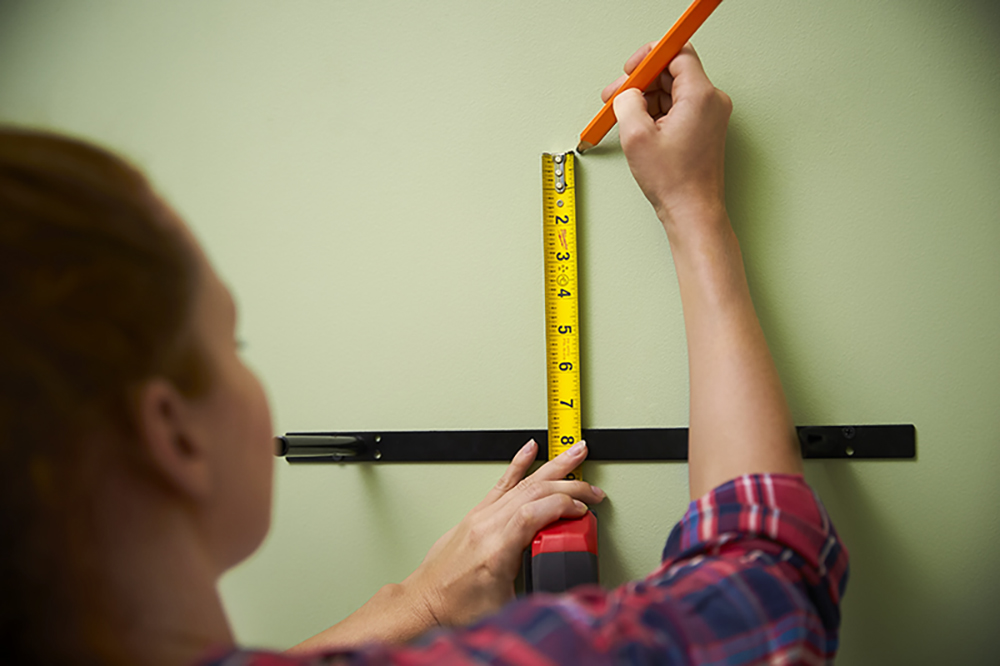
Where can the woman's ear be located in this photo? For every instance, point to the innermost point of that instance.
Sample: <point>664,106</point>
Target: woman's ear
<point>171,436</point>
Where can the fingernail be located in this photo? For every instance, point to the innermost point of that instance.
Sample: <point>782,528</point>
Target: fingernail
<point>580,505</point>
<point>527,447</point>
<point>578,448</point>
<point>597,491</point>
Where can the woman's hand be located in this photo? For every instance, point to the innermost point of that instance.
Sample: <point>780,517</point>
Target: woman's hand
<point>470,571</point>
<point>674,136</point>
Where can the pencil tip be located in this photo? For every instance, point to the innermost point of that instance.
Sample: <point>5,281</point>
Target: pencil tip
<point>584,145</point>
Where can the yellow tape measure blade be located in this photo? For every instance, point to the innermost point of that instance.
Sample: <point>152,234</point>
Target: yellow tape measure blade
<point>562,325</point>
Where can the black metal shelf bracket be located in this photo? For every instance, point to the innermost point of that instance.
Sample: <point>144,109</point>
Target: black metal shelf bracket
<point>858,442</point>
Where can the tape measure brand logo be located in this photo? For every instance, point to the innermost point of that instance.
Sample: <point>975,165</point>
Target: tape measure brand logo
<point>562,334</point>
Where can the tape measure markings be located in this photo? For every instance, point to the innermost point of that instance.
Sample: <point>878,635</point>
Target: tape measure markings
<point>562,330</point>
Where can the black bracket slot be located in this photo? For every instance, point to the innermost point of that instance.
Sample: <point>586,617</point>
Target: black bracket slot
<point>332,446</point>
<point>605,444</point>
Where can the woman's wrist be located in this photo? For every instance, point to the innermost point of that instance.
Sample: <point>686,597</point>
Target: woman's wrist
<point>408,613</point>
<point>693,223</point>
<point>708,259</point>
<point>395,614</point>
<point>425,603</point>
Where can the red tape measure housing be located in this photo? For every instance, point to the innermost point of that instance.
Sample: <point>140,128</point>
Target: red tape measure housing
<point>564,536</point>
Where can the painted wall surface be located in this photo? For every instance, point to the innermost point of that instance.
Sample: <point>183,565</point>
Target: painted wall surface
<point>366,177</point>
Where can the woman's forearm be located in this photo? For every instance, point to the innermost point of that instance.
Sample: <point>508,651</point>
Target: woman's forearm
<point>390,616</point>
<point>675,146</point>
<point>740,422</point>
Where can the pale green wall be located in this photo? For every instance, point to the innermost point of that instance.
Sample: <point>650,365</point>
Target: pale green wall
<point>366,176</point>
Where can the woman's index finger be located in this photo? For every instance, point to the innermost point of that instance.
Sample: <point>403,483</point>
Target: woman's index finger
<point>638,56</point>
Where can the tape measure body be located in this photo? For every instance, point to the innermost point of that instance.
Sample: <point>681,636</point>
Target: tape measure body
<point>562,324</point>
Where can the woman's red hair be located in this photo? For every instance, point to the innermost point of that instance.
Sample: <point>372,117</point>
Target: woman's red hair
<point>96,291</point>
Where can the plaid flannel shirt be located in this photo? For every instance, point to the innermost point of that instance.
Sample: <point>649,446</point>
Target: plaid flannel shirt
<point>753,573</point>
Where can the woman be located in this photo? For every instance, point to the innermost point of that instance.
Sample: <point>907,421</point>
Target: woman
<point>137,446</point>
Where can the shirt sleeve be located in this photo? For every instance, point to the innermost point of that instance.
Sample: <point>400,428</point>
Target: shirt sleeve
<point>754,572</point>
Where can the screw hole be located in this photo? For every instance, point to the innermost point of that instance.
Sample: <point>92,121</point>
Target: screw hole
<point>378,454</point>
<point>850,451</point>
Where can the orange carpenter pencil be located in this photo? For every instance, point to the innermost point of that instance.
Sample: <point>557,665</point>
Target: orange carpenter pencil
<point>650,67</point>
